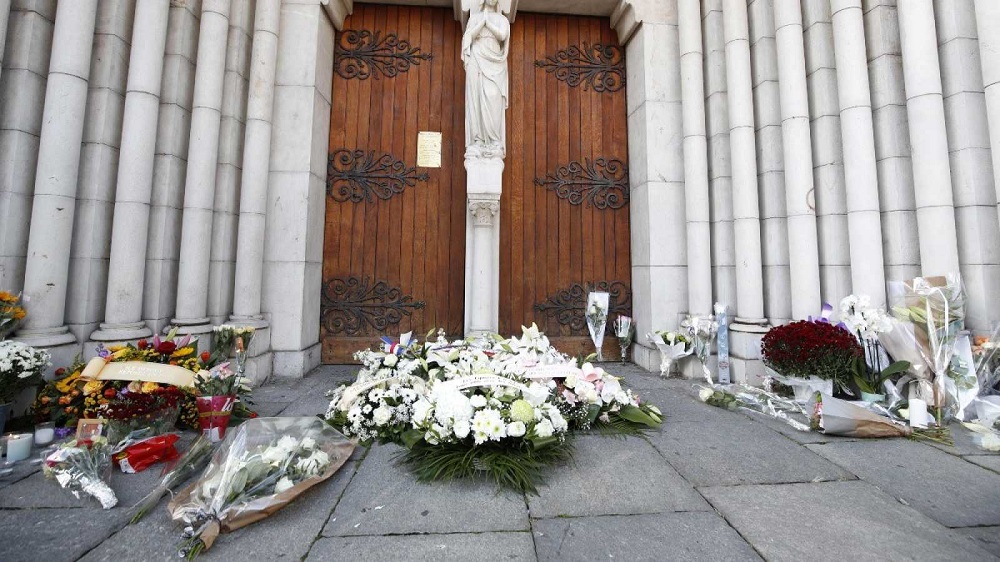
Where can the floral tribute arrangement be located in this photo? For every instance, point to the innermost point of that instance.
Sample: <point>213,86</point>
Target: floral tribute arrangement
<point>811,355</point>
<point>72,397</point>
<point>914,369</point>
<point>258,469</point>
<point>502,408</point>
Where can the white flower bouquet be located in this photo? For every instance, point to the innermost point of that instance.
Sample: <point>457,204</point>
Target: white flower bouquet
<point>502,407</point>
<point>672,346</point>
<point>259,469</point>
<point>83,467</point>
<point>20,366</point>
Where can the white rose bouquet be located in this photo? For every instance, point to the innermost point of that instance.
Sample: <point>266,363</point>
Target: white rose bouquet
<point>259,469</point>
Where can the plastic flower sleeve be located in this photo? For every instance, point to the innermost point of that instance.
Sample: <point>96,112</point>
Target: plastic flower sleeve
<point>83,467</point>
<point>935,308</point>
<point>761,401</point>
<point>259,468</point>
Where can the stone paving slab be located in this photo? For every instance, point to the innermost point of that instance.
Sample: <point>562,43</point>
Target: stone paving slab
<point>287,534</point>
<point>386,499</point>
<point>836,521</point>
<point>987,538</point>
<point>963,442</point>
<point>740,451</point>
<point>991,462</point>
<point>946,488</point>
<point>656,538</point>
<point>681,406</point>
<point>611,477</point>
<point>426,548</point>
<point>54,535</point>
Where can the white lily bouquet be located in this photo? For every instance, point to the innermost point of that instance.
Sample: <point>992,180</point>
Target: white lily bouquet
<point>672,346</point>
<point>259,469</point>
<point>598,304</point>
<point>83,467</point>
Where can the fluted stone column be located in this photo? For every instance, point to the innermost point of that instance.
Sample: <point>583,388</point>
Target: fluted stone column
<point>901,250</point>
<point>102,135</point>
<point>928,137</point>
<point>4,18</point>
<point>696,193</point>
<point>749,324</point>
<point>858,132</point>
<point>830,195</point>
<point>770,162</point>
<point>746,210</point>
<point>256,150</point>
<point>971,164</point>
<point>123,312</point>
<point>803,243</point>
<point>720,180</point>
<point>170,165</point>
<point>203,156</point>
<point>988,26</point>
<point>22,89</point>
<point>52,211</point>
<point>230,168</point>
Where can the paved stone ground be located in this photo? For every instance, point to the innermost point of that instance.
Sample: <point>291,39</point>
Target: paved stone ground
<point>712,485</point>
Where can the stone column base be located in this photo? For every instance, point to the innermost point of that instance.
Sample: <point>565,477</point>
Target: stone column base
<point>744,350</point>
<point>295,364</point>
<point>200,328</point>
<point>134,331</point>
<point>59,342</point>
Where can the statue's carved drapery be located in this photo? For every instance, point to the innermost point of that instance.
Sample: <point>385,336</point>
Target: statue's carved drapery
<point>485,46</point>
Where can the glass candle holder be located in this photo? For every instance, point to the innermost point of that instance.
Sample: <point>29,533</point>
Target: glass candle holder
<point>45,433</point>
<point>18,446</point>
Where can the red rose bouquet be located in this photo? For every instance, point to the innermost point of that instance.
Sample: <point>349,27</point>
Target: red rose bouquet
<point>804,349</point>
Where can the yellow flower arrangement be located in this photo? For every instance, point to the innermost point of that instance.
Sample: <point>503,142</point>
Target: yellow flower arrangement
<point>182,352</point>
<point>93,387</point>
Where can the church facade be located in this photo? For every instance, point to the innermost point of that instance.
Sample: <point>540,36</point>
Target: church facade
<point>330,171</point>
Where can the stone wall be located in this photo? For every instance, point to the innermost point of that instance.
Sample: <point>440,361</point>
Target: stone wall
<point>782,153</point>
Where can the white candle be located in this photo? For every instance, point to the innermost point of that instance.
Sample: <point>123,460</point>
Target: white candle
<point>18,447</point>
<point>918,413</point>
<point>44,435</point>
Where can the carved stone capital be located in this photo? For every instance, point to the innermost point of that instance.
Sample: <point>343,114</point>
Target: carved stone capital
<point>484,211</point>
<point>629,14</point>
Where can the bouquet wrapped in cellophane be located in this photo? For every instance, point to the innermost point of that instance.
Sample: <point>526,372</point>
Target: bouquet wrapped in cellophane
<point>83,467</point>
<point>194,459</point>
<point>258,469</point>
<point>743,397</point>
<point>929,314</point>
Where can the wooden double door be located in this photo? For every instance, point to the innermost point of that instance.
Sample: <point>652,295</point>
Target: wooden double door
<point>565,205</point>
<point>394,246</point>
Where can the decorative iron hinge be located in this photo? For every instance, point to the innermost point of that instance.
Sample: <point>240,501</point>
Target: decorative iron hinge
<point>598,67</point>
<point>356,176</point>
<point>364,54</point>
<point>351,305</point>
<point>602,183</point>
<point>569,306</point>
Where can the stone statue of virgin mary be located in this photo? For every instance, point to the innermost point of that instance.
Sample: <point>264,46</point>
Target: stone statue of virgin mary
<point>484,52</point>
